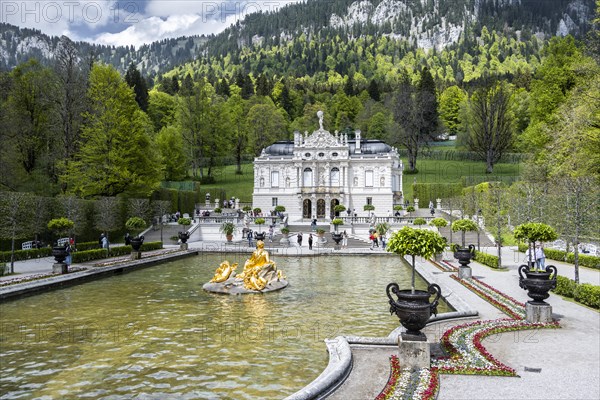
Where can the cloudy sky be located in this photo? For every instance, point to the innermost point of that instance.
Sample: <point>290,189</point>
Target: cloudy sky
<point>130,22</point>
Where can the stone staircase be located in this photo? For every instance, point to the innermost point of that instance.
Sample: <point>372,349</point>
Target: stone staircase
<point>470,237</point>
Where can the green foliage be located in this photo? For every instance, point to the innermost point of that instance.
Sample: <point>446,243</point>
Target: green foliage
<point>398,208</point>
<point>280,208</point>
<point>486,259</point>
<point>218,210</point>
<point>535,232</point>
<point>382,228</point>
<point>135,223</point>
<point>320,231</point>
<point>259,221</point>
<point>228,228</point>
<point>410,209</point>
<point>170,144</point>
<point>565,286</point>
<point>337,221</point>
<point>553,254</point>
<point>419,221</point>
<point>585,260</point>
<point>368,207</point>
<point>184,221</point>
<point>26,254</point>
<point>451,100</point>
<point>257,210</point>
<point>61,225</point>
<point>584,293</point>
<point>115,251</point>
<point>438,222</point>
<point>436,190</point>
<point>285,231</point>
<point>416,242</point>
<point>246,208</point>
<point>464,225</point>
<point>339,208</point>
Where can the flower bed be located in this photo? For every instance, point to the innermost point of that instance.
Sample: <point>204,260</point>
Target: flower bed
<point>409,384</point>
<point>501,301</point>
<point>444,265</point>
<point>469,357</point>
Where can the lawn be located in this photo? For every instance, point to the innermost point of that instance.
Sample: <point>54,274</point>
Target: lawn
<point>430,171</point>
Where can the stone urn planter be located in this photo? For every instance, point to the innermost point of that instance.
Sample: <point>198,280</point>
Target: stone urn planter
<point>537,283</point>
<point>59,253</point>
<point>184,236</point>
<point>137,242</point>
<point>259,236</point>
<point>413,308</point>
<point>337,237</point>
<point>464,255</point>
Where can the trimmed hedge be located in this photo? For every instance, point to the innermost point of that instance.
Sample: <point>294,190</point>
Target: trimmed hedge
<point>96,254</point>
<point>486,259</point>
<point>26,254</point>
<point>584,293</point>
<point>560,255</point>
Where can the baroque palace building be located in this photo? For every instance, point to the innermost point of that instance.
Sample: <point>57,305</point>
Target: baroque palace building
<point>312,174</point>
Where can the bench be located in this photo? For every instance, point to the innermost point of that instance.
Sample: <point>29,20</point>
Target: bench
<point>62,241</point>
<point>27,245</point>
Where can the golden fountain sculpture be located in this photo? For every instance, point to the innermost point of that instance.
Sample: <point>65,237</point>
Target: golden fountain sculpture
<point>259,272</point>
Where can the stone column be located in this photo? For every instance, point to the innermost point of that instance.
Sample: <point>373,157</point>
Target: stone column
<point>416,204</point>
<point>237,204</point>
<point>439,203</point>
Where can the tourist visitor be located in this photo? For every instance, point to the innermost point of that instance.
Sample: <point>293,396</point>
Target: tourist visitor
<point>383,240</point>
<point>313,225</point>
<point>530,258</point>
<point>299,239</point>
<point>104,241</point>
<point>68,249</point>
<point>310,241</point>
<point>249,237</point>
<point>540,257</point>
<point>344,240</point>
<point>271,233</point>
<point>127,239</point>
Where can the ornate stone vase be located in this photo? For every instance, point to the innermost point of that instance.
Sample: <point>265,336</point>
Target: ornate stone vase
<point>136,243</point>
<point>537,284</point>
<point>184,236</point>
<point>59,253</point>
<point>464,255</point>
<point>259,236</point>
<point>413,309</point>
<point>337,237</point>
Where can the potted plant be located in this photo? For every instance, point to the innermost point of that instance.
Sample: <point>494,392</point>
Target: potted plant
<point>337,222</point>
<point>246,208</point>
<point>369,208</point>
<point>412,306</point>
<point>338,209</point>
<point>136,224</point>
<point>537,282</point>
<point>438,222</point>
<point>218,210</point>
<point>228,229</point>
<point>419,221</point>
<point>185,235</point>
<point>279,209</point>
<point>257,211</point>
<point>464,225</point>
<point>61,227</point>
<point>259,235</point>
<point>284,236</point>
<point>410,209</point>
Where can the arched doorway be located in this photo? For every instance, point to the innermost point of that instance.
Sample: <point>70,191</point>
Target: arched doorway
<point>320,208</point>
<point>332,212</point>
<point>306,209</point>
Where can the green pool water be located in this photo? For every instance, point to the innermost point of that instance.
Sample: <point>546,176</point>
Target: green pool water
<point>154,333</point>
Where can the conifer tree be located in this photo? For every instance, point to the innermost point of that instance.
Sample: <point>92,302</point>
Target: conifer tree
<point>135,81</point>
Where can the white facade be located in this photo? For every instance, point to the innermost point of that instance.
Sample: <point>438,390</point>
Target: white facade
<point>312,174</point>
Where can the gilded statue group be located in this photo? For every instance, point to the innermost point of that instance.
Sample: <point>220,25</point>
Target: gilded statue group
<point>259,270</point>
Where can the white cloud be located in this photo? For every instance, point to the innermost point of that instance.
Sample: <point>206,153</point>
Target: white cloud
<point>96,20</point>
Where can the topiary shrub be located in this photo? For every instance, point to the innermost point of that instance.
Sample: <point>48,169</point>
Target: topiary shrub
<point>419,221</point>
<point>587,294</point>
<point>486,259</point>
<point>565,286</point>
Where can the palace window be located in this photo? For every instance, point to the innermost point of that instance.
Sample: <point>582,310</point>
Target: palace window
<point>368,178</point>
<point>274,178</point>
<point>307,177</point>
<point>335,177</point>
<point>274,201</point>
<point>369,200</point>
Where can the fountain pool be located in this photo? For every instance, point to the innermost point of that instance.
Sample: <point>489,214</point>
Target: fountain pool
<point>156,333</point>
